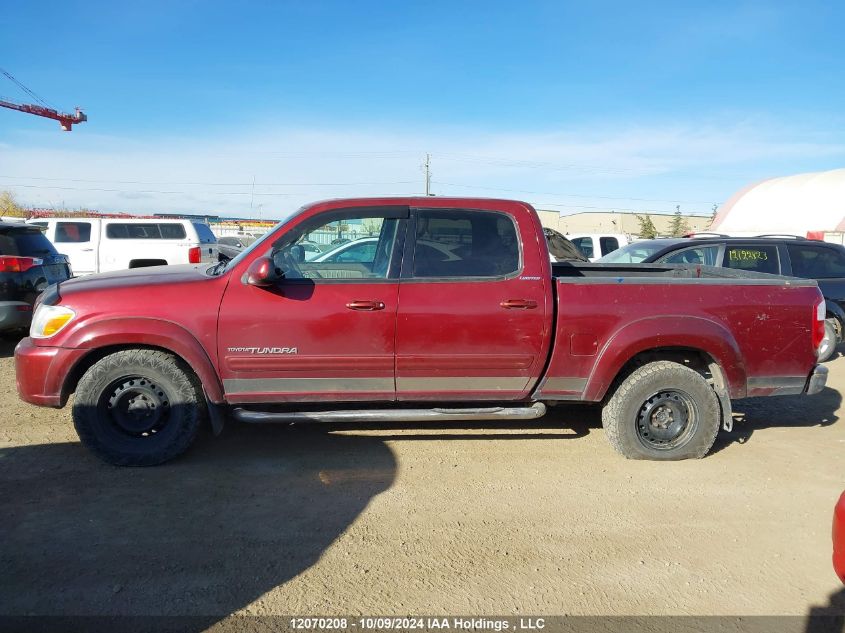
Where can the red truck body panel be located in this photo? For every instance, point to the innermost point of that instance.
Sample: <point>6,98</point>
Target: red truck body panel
<point>604,322</point>
<point>433,340</point>
<point>839,538</point>
<point>341,354</point>
<point>455,341</point>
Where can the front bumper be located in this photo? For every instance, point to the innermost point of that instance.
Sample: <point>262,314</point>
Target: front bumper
<point>817,380</point>
<point>41,372</point>
<point>14,315</point>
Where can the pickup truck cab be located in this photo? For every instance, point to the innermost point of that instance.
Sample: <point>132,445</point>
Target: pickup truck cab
<point>481,327</point>
<point>96,245</point>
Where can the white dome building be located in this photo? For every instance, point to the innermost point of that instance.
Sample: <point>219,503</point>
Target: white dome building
<point>808,205</point>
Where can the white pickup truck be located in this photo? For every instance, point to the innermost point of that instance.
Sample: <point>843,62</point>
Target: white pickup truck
<point>595,245</point>
<point>97,245</point>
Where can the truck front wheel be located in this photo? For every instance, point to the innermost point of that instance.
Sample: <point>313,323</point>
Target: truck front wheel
<point>662,411</point>
<point>137,407</point>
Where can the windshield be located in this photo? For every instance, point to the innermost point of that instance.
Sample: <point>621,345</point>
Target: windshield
<point>633,253</point>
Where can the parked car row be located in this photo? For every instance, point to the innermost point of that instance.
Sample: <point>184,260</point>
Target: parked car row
<point>28,264</point>
<point>41,252</point>
<point>776,255</point>
<point>596,245</point>
<point>230,246</point>
<point>96,245</point>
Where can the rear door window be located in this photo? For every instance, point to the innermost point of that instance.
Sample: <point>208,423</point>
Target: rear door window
<point>816,262</point>
<point>73,232</point>
<point>762,258</point>
<point>461,243</point>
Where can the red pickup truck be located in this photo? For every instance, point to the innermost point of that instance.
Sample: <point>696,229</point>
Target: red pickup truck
<point>454,312</point>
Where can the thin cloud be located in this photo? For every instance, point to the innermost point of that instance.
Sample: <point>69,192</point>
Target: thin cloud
<point>639,168</point>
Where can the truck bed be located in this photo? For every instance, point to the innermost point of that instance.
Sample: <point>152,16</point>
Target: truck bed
<point>608,313</point>
<point>565,271</point>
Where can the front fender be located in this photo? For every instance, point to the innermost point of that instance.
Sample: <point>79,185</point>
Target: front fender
<point>689,332</point>
<point>167,335</point>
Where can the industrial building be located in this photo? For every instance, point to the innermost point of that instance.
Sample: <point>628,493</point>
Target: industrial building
<point>616,222</point>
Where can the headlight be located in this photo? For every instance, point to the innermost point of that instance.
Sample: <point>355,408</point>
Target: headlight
<point>49,320</point>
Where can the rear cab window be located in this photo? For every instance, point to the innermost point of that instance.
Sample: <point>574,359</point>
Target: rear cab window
<point>761,258</point>
<point>25,242</point>
<point>464,243</point>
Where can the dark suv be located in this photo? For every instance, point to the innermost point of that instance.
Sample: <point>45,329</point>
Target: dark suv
<point>28,264</point>
<point>776,254</point>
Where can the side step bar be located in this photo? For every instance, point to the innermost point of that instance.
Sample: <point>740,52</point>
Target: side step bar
<point>536,410</point>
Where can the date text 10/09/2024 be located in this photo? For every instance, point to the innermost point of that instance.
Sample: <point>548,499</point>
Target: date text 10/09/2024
<point>416,623</point>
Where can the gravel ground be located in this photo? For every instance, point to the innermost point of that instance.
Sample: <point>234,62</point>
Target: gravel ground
<point>532,519</point>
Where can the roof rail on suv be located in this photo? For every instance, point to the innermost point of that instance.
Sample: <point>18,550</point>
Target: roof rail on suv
<point>782,235</point>
<point>704,234</point>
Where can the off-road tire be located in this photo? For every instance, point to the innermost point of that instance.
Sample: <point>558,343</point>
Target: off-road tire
<point>621,415</point>
<point>104,391</point>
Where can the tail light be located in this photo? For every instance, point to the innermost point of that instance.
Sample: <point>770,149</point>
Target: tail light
<point>194,255</point>
<point>818,324</point>
<point>18,264</point>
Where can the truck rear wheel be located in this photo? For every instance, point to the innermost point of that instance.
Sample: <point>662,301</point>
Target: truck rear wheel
<point>137,407</point>
<point>663,411</point>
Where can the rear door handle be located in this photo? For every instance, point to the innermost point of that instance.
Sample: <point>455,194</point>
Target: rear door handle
<point>365,306</point>
<point>518,304</point>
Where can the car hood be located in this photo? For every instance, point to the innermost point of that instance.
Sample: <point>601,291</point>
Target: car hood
<point>150,276</point>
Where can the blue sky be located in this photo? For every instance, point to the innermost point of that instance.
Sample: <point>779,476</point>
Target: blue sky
<point>574,106</point>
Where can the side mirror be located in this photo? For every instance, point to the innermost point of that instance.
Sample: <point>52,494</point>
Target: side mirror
<point>262,272</point>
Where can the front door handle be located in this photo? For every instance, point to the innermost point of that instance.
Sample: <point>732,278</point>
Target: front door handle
<point>365,306</point>
<point>518,304</point>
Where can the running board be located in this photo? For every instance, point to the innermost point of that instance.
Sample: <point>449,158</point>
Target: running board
<point>536,410</point>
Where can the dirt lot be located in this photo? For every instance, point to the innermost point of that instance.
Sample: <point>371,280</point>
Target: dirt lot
<point>541,519</point>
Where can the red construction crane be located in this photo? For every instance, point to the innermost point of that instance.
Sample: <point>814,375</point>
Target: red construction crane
<point>65,120</point>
